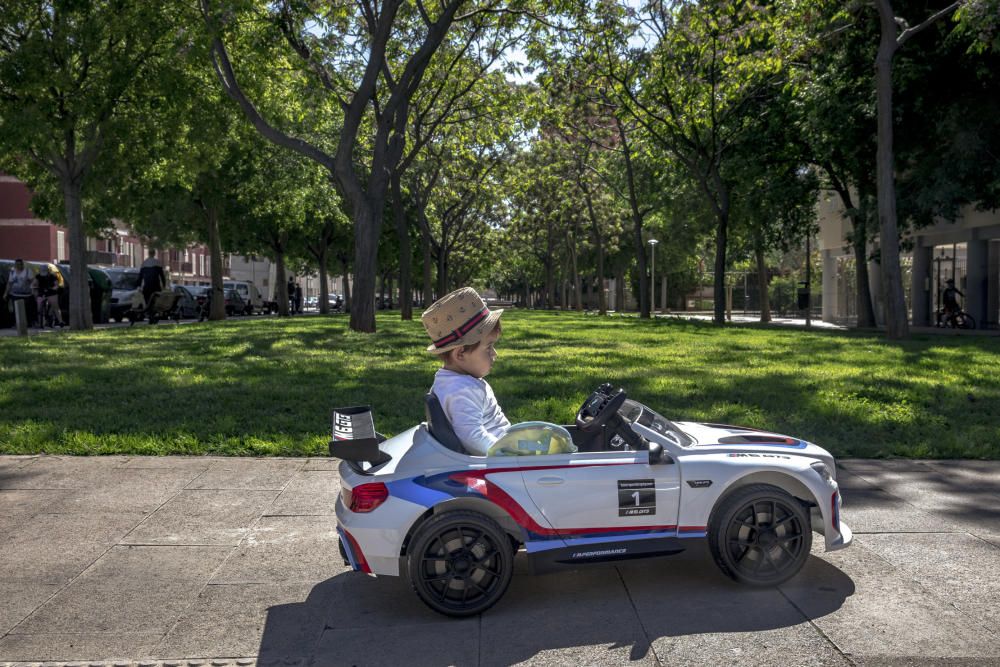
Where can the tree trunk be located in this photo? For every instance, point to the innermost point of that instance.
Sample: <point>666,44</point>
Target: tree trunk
<point>425,241</point>
<point>367,226</point>
<point>80,317</point>
<point>324,288</point>
<point>637,240</point>
<point>602,304</point>
<point>896,325</point>
<point>620,289</point>
<point>283,295</point>
<point>721,205</point>
<point>577,284</point>
<point>765,300</point>
<point>347,285</point>
<point>218,308</point>
<point>442,270</point>
<point>405,251</point>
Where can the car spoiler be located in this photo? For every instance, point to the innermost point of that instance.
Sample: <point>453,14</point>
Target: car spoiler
<point>354,436</point>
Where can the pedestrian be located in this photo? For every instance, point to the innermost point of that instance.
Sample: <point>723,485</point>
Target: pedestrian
<point>298,298</point>
<point>151,278</point>
<point>19,288</point>
<point>291,295</point>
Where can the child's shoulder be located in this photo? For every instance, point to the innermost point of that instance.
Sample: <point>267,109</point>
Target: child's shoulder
<point>446,380</point>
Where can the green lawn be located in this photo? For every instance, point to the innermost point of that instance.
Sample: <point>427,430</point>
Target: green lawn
<point>266,387</point>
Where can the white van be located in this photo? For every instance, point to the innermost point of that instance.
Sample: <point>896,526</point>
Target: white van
<point>251,295</point>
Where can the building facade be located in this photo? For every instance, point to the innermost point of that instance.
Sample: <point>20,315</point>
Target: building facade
<point>966,251</point>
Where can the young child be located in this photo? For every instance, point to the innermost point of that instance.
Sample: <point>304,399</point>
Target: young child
<point>463,332</point>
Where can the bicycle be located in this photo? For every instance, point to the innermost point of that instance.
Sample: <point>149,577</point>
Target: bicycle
<point>46,315</point>
<point>955,319</point>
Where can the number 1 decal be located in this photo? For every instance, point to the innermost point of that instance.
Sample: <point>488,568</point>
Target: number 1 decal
<point>636,497</point>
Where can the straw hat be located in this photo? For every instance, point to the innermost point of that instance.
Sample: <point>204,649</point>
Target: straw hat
<point>457,319</point>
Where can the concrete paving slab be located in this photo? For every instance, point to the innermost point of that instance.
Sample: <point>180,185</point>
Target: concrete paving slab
<point>366,605</point>
<point>20,598</point>
<point>125,490</point>
<point>62,472</point>
<point>887,614</point>
<point>229,620</point>
<point>322,464</point>
<point>54,548</point>
<point>257,474</point>
<point>103,647</point>
<point>203,517</point>
<point>200,463</point>
<point>950,565</point>
<point>309,493</point>
<point>694,615</point>
<point>446,642</point>
<point>872,510</point>
<point>285,549</point>
<point>28,502</point>
<point>129,590</point>
<point>583,617</point>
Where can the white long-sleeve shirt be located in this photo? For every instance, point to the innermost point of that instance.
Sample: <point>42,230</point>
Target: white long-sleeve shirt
<point>472,409</point>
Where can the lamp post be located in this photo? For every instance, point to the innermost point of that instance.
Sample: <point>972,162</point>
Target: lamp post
<point>652,276</point>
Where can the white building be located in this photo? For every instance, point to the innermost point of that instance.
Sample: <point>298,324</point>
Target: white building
<point>967,251</point>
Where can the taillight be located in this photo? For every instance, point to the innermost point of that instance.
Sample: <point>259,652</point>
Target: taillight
<point>366,497</point>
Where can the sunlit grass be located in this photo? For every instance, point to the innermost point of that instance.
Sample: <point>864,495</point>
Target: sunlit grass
<point>266,387</point>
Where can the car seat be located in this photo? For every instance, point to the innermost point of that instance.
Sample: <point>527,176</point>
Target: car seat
<point>439,426</point>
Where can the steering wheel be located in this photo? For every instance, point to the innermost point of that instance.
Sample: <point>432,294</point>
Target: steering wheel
<point>599,408</point>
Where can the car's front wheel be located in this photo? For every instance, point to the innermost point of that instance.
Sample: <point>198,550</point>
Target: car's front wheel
<point>760,535</point>
<point>460,563</point>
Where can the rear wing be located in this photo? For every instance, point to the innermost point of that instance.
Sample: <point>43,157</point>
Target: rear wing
<point>354,436</point>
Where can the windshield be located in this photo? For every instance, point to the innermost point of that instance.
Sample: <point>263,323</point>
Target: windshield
<point>634,411</point>
<point>239,287</point>
<point>123,280</point>
<point>198,290</point>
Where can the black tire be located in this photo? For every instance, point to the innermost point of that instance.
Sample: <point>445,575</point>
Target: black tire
<point>760,535</point>
<point>460,563</point>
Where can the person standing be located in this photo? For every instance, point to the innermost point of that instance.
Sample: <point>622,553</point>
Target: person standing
<point>19,288</point>
<point>298,299</point>
<point>291,295</point>
<point>151,277</point>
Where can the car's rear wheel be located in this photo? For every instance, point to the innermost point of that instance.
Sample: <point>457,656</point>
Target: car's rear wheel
<point>460,563</point>
<point>760,535</point>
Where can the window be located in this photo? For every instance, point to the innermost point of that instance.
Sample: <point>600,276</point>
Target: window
<point>60,245</point>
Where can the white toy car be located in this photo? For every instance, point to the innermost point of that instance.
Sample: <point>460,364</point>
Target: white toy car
<point>638,486</point>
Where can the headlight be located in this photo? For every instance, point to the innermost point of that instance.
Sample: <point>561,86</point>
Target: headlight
<point>823,471</point>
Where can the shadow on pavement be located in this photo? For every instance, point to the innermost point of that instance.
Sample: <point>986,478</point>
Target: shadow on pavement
<point>597,615</point>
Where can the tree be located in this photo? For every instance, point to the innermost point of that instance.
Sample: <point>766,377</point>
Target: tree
<point>73,76</point>
<point>895,32</point>
<point>365,62</point>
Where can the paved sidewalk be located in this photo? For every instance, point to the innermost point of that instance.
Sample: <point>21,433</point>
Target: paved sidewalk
<point>215,561</point>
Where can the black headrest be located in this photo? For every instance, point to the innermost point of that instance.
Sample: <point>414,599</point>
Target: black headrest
<point>439,426</point>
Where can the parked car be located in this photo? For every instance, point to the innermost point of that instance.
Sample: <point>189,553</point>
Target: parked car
<point>249,293</point>
<point>235,305</point>
<point>188,304</point>
<point>336,301</point>
<point>310,304</point>
<point>124,284</point>
<point>100,293</point>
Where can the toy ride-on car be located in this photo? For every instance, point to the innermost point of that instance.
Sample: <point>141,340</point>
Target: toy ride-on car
<point>623,482</point>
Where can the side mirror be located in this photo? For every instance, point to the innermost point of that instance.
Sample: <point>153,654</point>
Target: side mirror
<point>655,452</point>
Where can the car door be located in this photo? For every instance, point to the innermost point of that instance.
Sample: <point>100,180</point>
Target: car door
<point>594,494</point>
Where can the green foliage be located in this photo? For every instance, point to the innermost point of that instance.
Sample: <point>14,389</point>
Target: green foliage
<point>266,387</point>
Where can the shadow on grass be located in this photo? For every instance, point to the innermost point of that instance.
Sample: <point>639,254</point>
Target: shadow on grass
<point>596,615</point>
<point>267,386</point>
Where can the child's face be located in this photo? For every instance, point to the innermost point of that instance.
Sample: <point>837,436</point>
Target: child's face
<point>477,362</point>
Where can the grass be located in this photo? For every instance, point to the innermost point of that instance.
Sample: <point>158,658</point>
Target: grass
<point>266,387</point>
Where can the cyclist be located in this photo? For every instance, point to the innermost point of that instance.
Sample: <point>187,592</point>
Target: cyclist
<point>950,298</point>
<point>19,287</point>
<point>46,288</point>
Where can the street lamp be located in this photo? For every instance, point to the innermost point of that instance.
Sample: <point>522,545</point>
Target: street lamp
<point>652,276</point>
